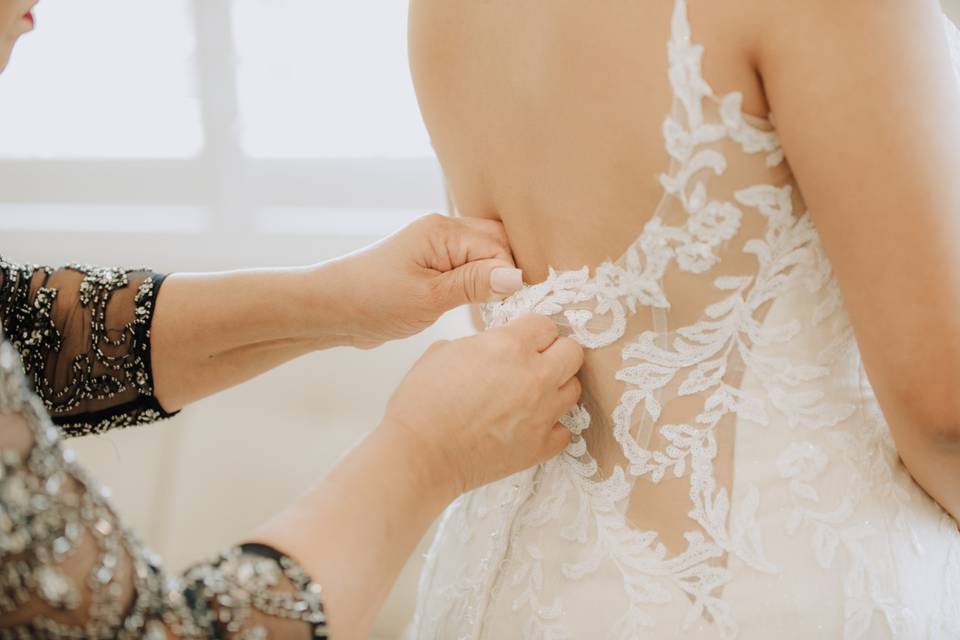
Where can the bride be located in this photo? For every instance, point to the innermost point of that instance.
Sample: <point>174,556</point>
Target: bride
<point>765,194</point>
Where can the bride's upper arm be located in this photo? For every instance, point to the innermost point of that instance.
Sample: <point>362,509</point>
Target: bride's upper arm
<point>867,103</point>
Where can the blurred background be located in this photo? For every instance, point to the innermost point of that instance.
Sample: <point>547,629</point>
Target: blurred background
<point>214,134</point>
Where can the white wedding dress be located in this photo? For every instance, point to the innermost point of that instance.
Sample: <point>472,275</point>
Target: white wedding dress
<point>731,475</point>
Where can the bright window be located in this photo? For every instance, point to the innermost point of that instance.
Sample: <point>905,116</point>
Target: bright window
<point>236,118</point>
<point>103,79</point>
<point>325,79</point>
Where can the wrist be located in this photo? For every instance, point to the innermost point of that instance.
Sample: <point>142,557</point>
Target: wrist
<point>327,304</point>
<point>426,465</point>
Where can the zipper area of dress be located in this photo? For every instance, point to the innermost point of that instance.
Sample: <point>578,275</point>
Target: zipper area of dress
<point>524,492</point>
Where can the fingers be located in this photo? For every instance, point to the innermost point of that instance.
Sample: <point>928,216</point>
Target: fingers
<point>563,359</point>
<point>474,282</point>
<point>504,281</point>
<point>570,394</point>
<point>454,242</point>
<point>557,440</point>
<point>470,259</point>
<point>479,245</point>
<point>559,436</point>
<point>567,397</point>
<point>493,229</point>
<point>536,331</point>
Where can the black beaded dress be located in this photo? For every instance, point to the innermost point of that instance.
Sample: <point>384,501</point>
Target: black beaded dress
<point>76,360</point>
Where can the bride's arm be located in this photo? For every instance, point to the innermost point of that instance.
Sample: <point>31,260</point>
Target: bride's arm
<point>868,107</point>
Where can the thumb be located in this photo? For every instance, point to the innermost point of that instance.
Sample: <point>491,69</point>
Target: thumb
<point>479,281</point>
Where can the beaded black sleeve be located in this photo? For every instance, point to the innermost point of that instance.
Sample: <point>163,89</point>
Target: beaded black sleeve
<point>83,334</point>
<point>69,569</point>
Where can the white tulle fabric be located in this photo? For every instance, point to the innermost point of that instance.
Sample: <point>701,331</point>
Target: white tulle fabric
<point>731,474</point>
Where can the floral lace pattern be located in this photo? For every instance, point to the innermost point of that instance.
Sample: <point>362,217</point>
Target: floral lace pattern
<point>953,37</point>
<point>819,502</point>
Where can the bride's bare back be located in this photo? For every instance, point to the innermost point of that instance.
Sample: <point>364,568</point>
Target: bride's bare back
<point>548,114</point>
<point>730,466</point>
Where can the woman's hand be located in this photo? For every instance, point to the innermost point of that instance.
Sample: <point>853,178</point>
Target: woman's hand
<point>214,330</point>
<point>469,412</point>
<point>483,407</point>
<point>404,283</point>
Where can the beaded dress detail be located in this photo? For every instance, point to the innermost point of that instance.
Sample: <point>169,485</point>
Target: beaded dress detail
<point>69,569</point>
<point>84,336</point>
<point>731,474</point>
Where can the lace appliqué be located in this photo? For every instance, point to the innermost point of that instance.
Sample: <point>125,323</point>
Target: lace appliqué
<point>953,38</point>
<point>787,400</point>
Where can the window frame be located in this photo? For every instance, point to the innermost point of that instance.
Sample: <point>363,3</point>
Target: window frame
<point>231,188</point>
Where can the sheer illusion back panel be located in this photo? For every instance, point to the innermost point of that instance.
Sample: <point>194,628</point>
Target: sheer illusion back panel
<point>685,360</point>
<point>570,120</point>
<point>731,474</point>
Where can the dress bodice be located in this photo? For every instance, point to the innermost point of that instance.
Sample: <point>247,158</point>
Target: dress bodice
<point>731,474</point>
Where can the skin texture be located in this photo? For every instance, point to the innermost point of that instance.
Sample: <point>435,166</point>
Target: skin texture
<point>546,115</point>
<point>444,431</point>
<point>391,290</point>
<point>875,145</point>
<point>387,491</point>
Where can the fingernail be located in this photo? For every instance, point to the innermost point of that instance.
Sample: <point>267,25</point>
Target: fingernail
<point>504,280</point>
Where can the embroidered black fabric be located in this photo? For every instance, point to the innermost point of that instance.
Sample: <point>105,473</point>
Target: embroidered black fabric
<point>80,337</point>
<point>83,334</point>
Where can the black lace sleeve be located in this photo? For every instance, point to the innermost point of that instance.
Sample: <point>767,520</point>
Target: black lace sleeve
<point>69,569</point>
<point>83,334</point>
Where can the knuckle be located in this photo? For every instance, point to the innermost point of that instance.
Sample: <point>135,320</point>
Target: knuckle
<point>434,220</point>
<point>512,340</point>
<point>518,324</point>
<point>501,338</point>
<point>433,224</point>
<point>577,347</point>
<point>500,345</point>
<point>545,324</point>
<point>438,346</point>
<point>437,292</point>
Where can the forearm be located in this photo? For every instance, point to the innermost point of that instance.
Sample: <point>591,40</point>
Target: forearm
<point>213,331</point>
<point>355,531</point>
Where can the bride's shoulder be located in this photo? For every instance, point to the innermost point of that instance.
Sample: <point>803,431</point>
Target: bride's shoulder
<point>792,25</point>
<point>832,42</point>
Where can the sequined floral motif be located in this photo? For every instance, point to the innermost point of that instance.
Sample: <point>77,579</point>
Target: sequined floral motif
<point>83,334</point>
<point>66,558</point>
